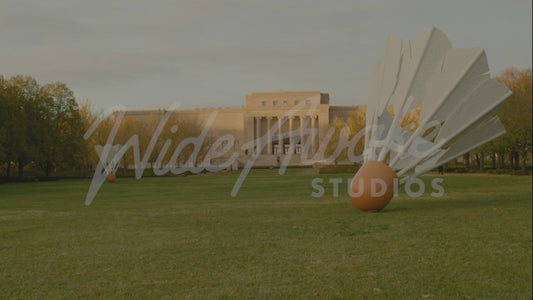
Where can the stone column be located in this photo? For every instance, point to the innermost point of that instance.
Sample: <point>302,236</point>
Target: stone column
<point>291,137</point>
<point>302,118</point>
<point>258,134</point>
<point>314,133</point>
<point>269,136</point>
<point>280,136</point>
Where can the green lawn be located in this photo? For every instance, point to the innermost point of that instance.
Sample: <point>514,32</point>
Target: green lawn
<point>186,237</point>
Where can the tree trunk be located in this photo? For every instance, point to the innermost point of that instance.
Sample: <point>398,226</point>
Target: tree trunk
<point>21,165</point>
<point>511,160</point>
<point>478,161</point>
<point>524,158</point>
<point>493,158</point>
<point>47,168</point>
<point>517,160</point>
<point>482,161</point>
<point>467,161</point>
<point>501,160</point>
<point>8,171</point>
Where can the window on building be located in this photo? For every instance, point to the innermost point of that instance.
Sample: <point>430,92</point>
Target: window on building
<point>275,103</point>
<point>264,103</point>
<point>296,102</point>
<point>285,103</point>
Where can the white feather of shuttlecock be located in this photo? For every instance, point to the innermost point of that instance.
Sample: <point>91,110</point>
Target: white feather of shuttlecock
<point>459,101</point>
<point>108,157</point>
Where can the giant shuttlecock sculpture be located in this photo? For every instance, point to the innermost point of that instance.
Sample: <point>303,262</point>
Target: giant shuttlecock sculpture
<point>458,102</point>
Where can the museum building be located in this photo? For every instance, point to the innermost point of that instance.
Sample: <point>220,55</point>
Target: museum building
<point>275,124</point>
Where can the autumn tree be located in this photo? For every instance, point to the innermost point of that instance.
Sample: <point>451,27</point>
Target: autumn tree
<point>10,127</point>
<point>346,130</point>
<point>21,123</point>
<point>88,116</point>
<point>516,115</point>
<point>62,137</point>
<point>39,124</point>
<point>410,120</point>
<point>176,129</point>
<point>338,133</point>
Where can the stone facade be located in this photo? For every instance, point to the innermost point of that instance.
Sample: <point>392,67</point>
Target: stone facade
<point>304,119</point>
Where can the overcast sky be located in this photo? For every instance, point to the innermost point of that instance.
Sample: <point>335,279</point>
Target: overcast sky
<point>150,54</point>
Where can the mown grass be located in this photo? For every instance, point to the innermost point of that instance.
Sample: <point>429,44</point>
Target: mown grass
<point>186,237</point>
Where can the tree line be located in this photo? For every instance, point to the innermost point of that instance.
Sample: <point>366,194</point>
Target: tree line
<point>175,130</point>
<point>42,128</point>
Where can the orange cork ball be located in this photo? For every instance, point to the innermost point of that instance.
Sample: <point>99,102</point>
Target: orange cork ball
<point>111,178</point>
<point>373,186</point>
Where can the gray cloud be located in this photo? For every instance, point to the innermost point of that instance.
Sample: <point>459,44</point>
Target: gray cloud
<point>212,53</point>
